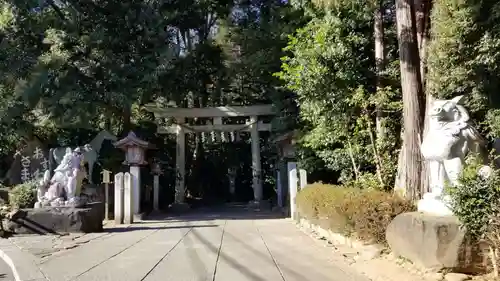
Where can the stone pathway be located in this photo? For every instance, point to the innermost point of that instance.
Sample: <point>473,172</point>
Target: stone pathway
<point>222,246</point>
<point>5,272</point>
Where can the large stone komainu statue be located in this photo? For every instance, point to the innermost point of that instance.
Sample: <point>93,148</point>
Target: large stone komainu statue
<point>448,141</point>
<point>63,189</point>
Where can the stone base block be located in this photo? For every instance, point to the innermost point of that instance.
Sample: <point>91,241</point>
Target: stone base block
<point>59,220</point>
<point>433,205</point>
<point>179,208</point>
<point>435,242</point>
<point>260,205</point>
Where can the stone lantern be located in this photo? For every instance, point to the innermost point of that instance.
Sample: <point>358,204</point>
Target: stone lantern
<point>135,151</point>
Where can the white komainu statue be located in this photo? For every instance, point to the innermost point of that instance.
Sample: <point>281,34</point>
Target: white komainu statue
<point>66,182</point>
<point>449,139</point>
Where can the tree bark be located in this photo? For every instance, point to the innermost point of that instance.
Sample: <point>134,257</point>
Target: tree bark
<point>353,161</point>
<point>127,118</point>
<point>376,157</point>
<point>379,65</point>
<point>423,9</point>
<point>413,97</point>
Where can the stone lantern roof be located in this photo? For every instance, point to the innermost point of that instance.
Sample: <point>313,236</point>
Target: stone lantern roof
<point>132,140</point>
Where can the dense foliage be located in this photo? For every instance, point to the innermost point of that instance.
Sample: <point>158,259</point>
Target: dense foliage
<point>330,68</point>
<point>464,57</point>
<point>73,68</point>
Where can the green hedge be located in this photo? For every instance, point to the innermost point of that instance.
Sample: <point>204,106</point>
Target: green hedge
<point>360,213</point>
<point>23,195</point>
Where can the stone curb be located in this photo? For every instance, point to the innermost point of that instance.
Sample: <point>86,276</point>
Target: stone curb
<point>22,264</point>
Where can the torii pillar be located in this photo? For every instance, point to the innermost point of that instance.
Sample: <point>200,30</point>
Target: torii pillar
<point>256,165</point>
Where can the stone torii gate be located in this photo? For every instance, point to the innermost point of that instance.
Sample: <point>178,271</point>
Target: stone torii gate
<point>180,128</point>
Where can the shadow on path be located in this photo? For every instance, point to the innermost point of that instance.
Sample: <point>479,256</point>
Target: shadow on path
<point>131,228</point>
<point>219,213</point>
<point>233,262</point>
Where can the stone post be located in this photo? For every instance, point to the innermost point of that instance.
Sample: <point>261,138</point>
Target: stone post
<point>303,178</point>
<point>106,179</point>
<point>156,170</point>
<point>129,198</point>
<point>156,192</point>
<point>231,173</point>
<point>180,162</point>
<point>292,184</point>
<point>135,174</point>
<point>279,188</point>
<point>256,165</point>
<point>218,135</point>
<point>118,198</point>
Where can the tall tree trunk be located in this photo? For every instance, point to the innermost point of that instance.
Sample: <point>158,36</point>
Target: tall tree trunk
<point>413,97</point>
<point>379,64</point>
<point>127,118</point>
<point>355,167</point>
<point>423,9</point>
<point>376,156</point>
<point>380,61</point>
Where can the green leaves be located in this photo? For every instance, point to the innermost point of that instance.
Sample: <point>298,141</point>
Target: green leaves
<point>331,68</point>
<point>475,199</point>
<point>464,54</point>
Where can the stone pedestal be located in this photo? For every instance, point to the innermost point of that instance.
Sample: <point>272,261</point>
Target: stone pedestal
<point>135,173</point>
<point>435,205</point>
<point>434,242</point>
<point>179,208</point>
<point>58,220</point>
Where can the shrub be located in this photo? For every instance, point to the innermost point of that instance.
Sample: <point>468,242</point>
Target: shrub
<point>476,203</point>
<point>23,195</point>
<point>360,213</point>
<point>474,200</point>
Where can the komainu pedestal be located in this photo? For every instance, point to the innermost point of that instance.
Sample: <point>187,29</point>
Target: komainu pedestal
<point>58,220</point>
<point>435,242</point>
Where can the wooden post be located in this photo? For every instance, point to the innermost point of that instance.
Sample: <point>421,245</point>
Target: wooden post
<point>106,179</point>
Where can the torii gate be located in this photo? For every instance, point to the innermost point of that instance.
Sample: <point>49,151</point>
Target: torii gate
<point>216,113</point>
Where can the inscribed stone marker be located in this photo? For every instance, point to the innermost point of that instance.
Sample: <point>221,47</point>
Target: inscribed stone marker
<point>119,198</point>
<point>128,199</point>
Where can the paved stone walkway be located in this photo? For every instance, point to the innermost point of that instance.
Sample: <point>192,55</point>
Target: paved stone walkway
<point>204,247</point>
<point>5,272</point>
